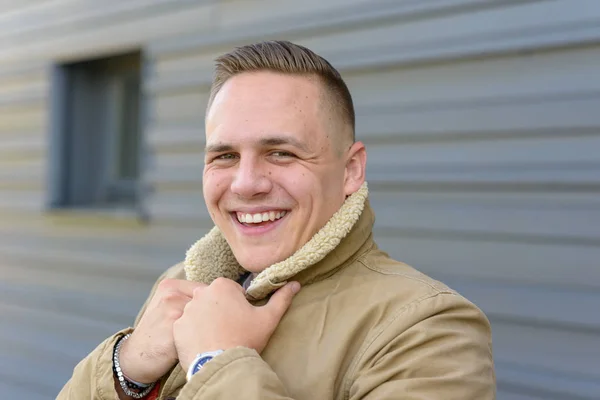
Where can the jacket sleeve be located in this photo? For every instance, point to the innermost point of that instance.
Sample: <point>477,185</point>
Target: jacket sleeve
<point>238,373</point>
<point>437,348</point>
<point>93,377</point>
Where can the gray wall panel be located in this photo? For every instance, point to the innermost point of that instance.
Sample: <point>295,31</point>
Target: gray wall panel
<point>482,125</point>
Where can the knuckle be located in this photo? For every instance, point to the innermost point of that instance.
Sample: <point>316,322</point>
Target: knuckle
<point>166,285</point>
<point>198,291</point>
<point>171,300</point>
<point>220,282</point>
<point>174,313</point>
<point>171,297</point>
<point>223,284</point>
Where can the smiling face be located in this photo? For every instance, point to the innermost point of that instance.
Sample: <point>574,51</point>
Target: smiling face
<point>278,164</point>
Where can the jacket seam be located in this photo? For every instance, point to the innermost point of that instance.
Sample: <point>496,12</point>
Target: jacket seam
<point>217,372</point>
<point>354,258</point>
<point>351,375</point>
<point>99,387</point>
<point>414,278</point>
<point>361,255</point>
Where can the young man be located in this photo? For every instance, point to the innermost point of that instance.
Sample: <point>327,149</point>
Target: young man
<point>284,182</point>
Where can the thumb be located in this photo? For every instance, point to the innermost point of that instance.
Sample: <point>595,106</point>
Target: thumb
<point>282,299</point>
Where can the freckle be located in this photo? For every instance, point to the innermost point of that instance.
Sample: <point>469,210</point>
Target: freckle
<point>269,172</point>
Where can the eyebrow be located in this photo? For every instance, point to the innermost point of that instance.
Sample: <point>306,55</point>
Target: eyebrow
<point>283,140</point>
<point>218,148</point>
<point>269,141</point>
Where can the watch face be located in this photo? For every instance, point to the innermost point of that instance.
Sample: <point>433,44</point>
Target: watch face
<point>201,363</point>
<point>204,360</point>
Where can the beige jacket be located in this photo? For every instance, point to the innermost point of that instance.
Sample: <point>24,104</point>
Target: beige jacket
<point>363,327</point>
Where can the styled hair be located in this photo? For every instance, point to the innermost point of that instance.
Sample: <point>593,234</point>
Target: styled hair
<point>286,58</point>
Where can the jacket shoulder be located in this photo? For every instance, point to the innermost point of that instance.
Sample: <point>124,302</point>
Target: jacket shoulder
<point>381,267</point>
<point>176,271</point>
<point>435,342</point>
<point>404,288</point>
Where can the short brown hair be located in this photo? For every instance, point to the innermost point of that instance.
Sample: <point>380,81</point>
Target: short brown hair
<point>286,58</point>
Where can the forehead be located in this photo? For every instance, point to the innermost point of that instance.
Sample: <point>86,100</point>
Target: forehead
<point>249,103</point>
<point>268,89</point>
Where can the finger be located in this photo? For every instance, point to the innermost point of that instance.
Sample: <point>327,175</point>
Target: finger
<point>227,284</point>
<point>282,299</point>
<point>178,286</point>
<point>239,288</point>
<point>178,307</point>
<point>187,287</point>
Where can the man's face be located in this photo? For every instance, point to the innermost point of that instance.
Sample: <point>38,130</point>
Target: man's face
<point>275,171</point>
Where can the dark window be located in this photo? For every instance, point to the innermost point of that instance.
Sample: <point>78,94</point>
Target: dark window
<point>98,131</point>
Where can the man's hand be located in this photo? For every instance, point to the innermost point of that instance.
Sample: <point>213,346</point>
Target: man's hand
<point>150,351</point>
<point>219,318</point>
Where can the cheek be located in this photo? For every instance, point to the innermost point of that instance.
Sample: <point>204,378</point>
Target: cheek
<point>300,185</point>
<point>214,185</point>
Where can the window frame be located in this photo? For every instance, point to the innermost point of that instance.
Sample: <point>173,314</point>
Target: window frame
<point>60,142</point>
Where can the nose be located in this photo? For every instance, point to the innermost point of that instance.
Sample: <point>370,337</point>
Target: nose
<point>250,179</point>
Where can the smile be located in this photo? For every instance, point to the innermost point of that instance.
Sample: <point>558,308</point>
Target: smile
<point>259,218</point>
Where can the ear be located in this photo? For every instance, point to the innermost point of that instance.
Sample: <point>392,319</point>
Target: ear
<point>356,166</point>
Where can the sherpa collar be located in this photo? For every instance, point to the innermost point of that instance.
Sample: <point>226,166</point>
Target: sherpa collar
<point>211,257</point>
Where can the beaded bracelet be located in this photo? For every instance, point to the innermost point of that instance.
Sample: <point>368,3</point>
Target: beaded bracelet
<point>130,388</point>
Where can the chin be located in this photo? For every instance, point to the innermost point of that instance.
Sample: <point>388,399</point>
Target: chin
<point>257,265</point>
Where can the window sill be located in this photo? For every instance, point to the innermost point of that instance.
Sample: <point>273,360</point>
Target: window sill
<point>117,216</point>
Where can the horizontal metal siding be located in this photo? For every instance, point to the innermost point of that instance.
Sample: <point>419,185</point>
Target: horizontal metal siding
<point>483,159</point>
<point>65,286</point>
<point>481,122</point>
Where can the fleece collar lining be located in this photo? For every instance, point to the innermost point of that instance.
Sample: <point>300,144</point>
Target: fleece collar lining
<point>211,257</point>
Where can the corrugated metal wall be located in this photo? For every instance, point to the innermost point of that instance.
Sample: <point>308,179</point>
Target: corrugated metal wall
<point>482,125</point>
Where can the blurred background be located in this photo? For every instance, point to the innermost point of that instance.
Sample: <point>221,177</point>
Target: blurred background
<point>481,119</point>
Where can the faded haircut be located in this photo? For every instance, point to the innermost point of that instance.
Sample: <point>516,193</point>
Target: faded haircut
<point>286,58</point>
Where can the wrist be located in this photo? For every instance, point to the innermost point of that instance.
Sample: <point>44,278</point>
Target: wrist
<point>120,393</point>
<point>133,368</point>
<point>130,388</point>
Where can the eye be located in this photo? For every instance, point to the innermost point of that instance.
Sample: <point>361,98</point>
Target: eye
<point>222,158</point>
<point>282,154</point>
<point>227,156</point>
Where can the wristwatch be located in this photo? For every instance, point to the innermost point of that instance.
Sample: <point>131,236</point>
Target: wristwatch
<point>199,362</point>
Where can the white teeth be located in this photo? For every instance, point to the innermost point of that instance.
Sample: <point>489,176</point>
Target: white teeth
<point>260,217</point>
